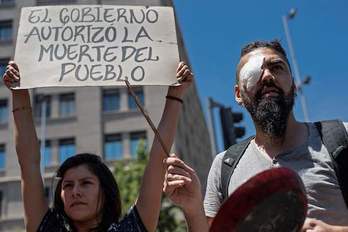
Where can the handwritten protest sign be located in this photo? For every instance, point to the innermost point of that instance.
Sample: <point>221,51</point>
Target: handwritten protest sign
<point>89,45</point>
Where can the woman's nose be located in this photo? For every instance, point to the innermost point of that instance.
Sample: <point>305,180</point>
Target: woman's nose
<point>76,191</point>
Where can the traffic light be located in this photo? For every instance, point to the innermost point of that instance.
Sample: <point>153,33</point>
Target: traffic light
<point>229,130</point>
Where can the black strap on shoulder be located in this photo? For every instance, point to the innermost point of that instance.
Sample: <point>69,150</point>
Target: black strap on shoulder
<point>334,136</point>
<point>229,163</point>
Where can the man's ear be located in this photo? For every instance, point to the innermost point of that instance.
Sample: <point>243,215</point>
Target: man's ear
<point>237,95</point>
<point>296,89</point>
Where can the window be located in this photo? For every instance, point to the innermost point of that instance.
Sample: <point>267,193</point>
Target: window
<point>5,31</point>
<point>1,202</point>
<point>54,2</point>
<point>46,154</point>
<point>66,149</point>
<point>131,102</point>
<point>111,100</point>
<point>135,138</point>
<point>7,2</point>
<point>113,148</point>
<point>42,101</point>
<point>3,111</point>
<point>2,156</point>
<point>67,105</point>
<point>3,64</point>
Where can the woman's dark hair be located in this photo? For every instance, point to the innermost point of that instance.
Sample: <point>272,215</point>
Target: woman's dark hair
<point>111,208</point>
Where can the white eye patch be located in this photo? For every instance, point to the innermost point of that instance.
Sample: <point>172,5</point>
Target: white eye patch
<point>251,71</point>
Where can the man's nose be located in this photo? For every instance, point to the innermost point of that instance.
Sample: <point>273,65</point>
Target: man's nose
<point>267,75</point>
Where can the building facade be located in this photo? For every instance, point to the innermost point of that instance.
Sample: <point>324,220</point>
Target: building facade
<point>100,120</point>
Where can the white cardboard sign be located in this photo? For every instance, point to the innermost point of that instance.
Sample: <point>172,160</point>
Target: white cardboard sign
<point>96,45</point>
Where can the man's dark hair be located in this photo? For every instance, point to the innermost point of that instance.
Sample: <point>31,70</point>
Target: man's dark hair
<point>274,44</point>
<point>111,203</point>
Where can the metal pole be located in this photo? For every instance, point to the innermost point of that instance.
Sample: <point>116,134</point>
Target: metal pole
<point>296,68</point>
<point>43,133</point>
<point>211,127</point>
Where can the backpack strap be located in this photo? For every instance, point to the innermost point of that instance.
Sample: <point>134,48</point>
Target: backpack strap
<point>334,136</point>
<point>229,163</point>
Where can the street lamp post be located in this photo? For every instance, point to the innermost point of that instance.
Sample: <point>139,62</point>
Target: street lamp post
<point>43,131</point>
<point>298,81</point>
<point>211,105</point>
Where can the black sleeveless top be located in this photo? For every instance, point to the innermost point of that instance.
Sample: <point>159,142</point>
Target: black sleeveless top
<point>54,221</point>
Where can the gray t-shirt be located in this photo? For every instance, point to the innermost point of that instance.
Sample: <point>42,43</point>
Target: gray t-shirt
<point>311,161</point>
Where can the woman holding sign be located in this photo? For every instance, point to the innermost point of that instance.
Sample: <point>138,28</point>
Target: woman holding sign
<point>87,197</point>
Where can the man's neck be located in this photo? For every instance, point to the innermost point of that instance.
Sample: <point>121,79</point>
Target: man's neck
<point>296,134</point>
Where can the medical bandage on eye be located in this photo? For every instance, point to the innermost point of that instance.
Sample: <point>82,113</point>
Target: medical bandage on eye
<point>251,71</point>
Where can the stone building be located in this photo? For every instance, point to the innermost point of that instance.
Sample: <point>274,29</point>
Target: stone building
<point>101,120</point>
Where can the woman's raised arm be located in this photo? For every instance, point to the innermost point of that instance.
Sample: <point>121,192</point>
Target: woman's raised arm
<point>149,200</point>
<point>28,152</point>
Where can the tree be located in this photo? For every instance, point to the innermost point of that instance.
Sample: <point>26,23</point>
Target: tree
<point>128,174</point>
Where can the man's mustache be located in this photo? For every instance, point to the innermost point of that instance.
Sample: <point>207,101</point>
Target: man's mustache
<point>268,84</point>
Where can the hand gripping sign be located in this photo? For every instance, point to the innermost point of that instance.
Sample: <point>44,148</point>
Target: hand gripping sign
<point>96,45</point>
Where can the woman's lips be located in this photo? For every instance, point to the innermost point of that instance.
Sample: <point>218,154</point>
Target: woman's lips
<point>78,203</point>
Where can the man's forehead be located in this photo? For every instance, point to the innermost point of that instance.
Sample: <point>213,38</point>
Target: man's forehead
<point>268,53</point>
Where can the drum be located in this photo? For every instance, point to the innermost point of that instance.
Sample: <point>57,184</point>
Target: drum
<point>271,201</point>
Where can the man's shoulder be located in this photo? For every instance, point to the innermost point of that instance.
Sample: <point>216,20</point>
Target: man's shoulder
<point>237,149</point>
<point>345,125</point>
<point>220,155</point>
<point>218,159</point>
<point>232,154</point>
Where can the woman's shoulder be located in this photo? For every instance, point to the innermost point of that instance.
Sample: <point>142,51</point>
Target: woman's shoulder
<point>53,221</point>
<point>130,223</point>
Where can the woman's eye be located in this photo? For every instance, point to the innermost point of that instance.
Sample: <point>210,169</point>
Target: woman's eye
<point>86,182</point>
<point>67,186</point>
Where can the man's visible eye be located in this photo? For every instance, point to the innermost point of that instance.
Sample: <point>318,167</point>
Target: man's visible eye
<point>277,67</point>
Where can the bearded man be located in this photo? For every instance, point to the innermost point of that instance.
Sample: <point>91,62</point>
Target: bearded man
<point>265,87</point>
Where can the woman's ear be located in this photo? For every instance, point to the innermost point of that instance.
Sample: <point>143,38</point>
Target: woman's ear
<point>237,95</point>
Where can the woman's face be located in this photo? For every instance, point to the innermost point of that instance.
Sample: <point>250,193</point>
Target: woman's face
<point>81,195</point>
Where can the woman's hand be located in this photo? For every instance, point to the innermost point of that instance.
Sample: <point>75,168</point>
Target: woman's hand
<point>11,77</point>
<point>182,185</point>
<point>314,225</point>
<point>184,77</point>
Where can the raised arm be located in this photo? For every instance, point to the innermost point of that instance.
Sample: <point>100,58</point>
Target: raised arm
<point>28,152</point>
<point>149,200</point>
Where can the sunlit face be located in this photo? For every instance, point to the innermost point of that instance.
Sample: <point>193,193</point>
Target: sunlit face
<point>81,195</point>
<point>258,67</point>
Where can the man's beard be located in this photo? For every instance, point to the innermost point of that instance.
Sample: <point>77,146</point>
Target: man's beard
<point>271,114</point>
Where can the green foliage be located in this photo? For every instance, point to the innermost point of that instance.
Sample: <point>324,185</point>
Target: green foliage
<point>128,175</point>
<point>171,218</point>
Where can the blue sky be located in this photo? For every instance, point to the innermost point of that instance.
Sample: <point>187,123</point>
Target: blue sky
<point>215,31</point>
